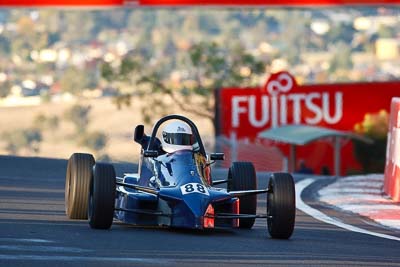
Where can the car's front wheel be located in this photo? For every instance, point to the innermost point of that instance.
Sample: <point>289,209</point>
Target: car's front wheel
<point>281,205</point>
<point>77,181</point>
<point>242,176</point>
<point>102,196</point>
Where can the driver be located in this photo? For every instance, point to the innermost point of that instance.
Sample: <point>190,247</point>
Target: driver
<point>176,136</point>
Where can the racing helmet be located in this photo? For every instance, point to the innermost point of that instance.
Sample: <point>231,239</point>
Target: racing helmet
<point>176,136</point>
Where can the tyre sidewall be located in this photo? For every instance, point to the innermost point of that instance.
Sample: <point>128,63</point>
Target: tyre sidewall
<point>281,206</point>
<point>102,196</point>
<point>241,177</point>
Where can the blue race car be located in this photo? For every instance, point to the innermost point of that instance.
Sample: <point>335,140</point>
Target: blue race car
<point>174,187</point>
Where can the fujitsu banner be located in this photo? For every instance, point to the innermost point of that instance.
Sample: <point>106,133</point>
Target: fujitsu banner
<point>246,112</point>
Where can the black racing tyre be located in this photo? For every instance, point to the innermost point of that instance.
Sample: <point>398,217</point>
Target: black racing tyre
<point>77,181</point>
<point>102,196</point>
<point>281,205</point>
<point>242,176</point>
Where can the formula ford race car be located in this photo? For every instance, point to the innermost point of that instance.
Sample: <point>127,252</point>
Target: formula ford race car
<point>175,189</point>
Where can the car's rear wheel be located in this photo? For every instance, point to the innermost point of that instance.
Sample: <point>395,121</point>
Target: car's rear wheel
<point>281,205</point>
<point>77,181</point>
<point>242,176</point>
<point>102,196</point>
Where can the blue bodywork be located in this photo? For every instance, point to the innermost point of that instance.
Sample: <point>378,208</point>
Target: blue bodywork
<point>182,196</point>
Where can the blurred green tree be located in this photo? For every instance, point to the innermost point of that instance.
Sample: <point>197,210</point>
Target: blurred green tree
<point>40,121</point>
<point>191,83</point>
<point>53,122</point>
<point>74,81</point>
<point>28,139</point>
<point>94,140</point>
<point>75,30</point>
<point>79,116</point>
<point>386,32</point>
<point>341,60</point>
<point>5,88</point>
<point>44,122</point>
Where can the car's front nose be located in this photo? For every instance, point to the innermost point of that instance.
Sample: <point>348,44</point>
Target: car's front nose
<point>190,211</point>
<point>192,205</point>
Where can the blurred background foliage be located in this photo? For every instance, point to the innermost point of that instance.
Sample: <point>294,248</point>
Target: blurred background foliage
<point>162,60</point>
<point>372,156</point>
<point>208,67</point>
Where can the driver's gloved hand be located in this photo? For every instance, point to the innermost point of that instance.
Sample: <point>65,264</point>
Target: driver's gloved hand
<point>153,182</point>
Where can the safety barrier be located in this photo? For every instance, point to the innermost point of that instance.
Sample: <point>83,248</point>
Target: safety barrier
<point>392,168</point>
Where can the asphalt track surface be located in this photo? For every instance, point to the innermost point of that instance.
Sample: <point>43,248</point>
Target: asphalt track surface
<point>34,231</point>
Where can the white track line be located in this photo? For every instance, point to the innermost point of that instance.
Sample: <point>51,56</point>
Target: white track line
<point>82,259</point>
<point>28,240</point>
<point>301,205</point>
<point>42,248</point>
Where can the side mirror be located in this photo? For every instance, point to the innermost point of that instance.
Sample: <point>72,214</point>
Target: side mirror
<point>217,156</point>
<point>139,133</point>
<point>150,153</point>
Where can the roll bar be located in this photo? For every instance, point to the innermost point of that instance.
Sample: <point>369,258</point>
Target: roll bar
<point>176,117</point>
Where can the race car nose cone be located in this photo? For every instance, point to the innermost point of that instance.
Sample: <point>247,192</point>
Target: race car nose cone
<point>197,204</point>
<point>189,212</point>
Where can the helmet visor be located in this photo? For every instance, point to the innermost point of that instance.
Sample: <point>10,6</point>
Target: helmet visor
<point>182,139</point>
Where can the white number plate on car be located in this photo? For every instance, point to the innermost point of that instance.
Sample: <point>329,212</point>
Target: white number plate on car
<point>194,188</point>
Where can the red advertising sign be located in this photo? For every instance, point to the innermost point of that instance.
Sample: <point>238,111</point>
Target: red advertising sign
<point>46,3</point>
<point>245,113</point>
<point>281,101</point>
<point>264,2</point>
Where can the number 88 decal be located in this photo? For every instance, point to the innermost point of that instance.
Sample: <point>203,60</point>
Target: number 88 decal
<point>194,188</point>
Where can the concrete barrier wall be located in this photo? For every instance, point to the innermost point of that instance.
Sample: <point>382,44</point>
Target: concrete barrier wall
<point>392,168</point>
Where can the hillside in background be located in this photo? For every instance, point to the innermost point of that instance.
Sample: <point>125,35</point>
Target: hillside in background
<point>117,126</point>
<point>54,66</point>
